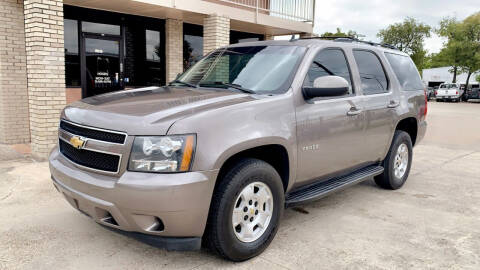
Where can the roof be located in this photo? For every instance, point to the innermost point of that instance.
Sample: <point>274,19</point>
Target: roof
<point>334,42</point>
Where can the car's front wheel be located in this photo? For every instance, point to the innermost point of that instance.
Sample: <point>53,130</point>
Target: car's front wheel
<point>246,210</point>
<point>397,163</point>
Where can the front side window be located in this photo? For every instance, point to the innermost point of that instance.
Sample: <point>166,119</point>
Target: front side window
<point>329,62</point>
<point>262,69</point>
<point>406,72</point>
<point>372,75</point>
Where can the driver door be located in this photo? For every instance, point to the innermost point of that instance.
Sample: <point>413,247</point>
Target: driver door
<point>330,131</point>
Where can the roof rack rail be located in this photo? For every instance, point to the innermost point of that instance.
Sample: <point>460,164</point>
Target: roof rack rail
<point>353,39</point>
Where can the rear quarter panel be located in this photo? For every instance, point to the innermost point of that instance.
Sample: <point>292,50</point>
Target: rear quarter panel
<point>412,104</point>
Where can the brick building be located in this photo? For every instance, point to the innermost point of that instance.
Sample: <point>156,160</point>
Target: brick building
<point>53,52</point>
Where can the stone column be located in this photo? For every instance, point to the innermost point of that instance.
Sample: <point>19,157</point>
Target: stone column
<point>216,32</point>
<point>45,71</point>
<point>173,48</point>
<point>14,124</point>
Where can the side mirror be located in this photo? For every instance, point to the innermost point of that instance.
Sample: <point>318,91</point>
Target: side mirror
<point>326,86</point>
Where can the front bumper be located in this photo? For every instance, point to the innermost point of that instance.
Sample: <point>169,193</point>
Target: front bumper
<point>171,205</point>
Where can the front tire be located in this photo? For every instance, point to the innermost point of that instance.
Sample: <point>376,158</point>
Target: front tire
<point>246,210</point>
<point>397,163</point>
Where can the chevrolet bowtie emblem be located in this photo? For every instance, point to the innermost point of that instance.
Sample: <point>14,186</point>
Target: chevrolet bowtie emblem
<point>77,142</point>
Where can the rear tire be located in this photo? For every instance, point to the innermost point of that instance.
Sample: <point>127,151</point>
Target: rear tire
<point>241,242</point>
<point>397,163</point>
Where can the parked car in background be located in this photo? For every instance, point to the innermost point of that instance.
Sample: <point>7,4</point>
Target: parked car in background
<point>473,93</point>
<point>449,92</point>
<point>430,93</point>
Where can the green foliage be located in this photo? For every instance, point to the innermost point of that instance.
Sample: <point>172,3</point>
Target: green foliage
<point>477,78</point>
<point>452,51</point>
<point>462,49</point>
<point>339,33</point>
<point>470,56</point>
<point>408,36</point>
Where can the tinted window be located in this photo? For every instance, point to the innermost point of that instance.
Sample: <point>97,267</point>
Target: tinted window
<point>405,71</point>
<point>192,44</point>
<point>152,45</point>
<point>101,28</point>
<point>329,62</point>
<point>153,56</point>
<point>374,80</point>
<point>72,58</point>
<point>240,37</point>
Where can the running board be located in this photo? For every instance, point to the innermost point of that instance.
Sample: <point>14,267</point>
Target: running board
<point>319,190</point>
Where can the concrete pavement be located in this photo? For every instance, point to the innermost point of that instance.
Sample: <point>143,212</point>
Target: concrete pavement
<point>432,222</point>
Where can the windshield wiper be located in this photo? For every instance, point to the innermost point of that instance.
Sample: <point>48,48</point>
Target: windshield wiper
<point>230,85</point>
<point>182,82</point>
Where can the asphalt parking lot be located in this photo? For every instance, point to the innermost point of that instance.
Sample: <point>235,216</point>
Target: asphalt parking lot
<point>433,222</point>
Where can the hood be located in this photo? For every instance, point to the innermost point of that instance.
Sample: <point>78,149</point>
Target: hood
<point>148,111</point>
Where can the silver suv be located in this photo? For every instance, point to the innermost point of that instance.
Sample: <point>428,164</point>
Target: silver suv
<point>250,129</point>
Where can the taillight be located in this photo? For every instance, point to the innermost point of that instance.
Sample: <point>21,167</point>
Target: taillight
<point>435,92</point>
<point>456,92</point>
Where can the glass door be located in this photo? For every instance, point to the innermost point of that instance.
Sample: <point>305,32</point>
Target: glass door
<point>103,64</point>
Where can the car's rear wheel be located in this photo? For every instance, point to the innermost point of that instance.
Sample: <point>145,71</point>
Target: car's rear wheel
<point>246,210</point>
<point>397,163</point>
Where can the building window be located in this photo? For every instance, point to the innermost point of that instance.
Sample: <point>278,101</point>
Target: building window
<point>153,58</point>
<point>101,28</point>
<point>192,44</point>
<point>72,57</point>
<point>240,37</point>
<point>131,48</point>
<point>152,45</point>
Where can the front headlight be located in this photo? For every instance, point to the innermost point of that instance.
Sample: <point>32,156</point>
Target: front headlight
<point>162,153</point>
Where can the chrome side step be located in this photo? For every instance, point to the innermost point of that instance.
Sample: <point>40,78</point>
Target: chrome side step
<point>319,190</point>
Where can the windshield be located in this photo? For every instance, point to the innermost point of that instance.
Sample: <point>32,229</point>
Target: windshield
<point>448,86</point>
<point>261,69</point>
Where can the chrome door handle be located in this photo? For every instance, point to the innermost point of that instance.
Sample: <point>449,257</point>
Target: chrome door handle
<point>393,104</point>
<point>354,111</point>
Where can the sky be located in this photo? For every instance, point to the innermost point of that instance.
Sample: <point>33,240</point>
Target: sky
<point>368,17</point>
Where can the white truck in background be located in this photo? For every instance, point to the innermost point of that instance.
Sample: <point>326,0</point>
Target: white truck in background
<point>449,92</point>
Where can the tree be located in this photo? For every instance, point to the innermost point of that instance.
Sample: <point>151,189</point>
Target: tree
<point>451,52</point>
<point>470,56</point>
<point>408,36</point>
<point>339,33</point>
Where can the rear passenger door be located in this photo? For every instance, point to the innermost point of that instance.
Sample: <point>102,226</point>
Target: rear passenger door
<point>379,102</point>
<point>329,130</point>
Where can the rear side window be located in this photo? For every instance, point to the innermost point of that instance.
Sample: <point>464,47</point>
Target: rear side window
<point>406,72</point>
<point>372,75</point>
<point>329,62</point>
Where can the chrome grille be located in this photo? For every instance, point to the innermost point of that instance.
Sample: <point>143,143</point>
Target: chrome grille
<point>90,159</point>
<point>93,133</point>
<point>101,149</point>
